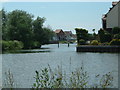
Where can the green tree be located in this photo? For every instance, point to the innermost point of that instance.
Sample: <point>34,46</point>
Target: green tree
<point>81,34</point>
<point>94,34</point>
<point>20,27</point>
<point>41,34</point>
<point>116,30</point>
<point>4,24</point>
<point>48,34</point>
<point>104,36</point>
<point>38,29</point>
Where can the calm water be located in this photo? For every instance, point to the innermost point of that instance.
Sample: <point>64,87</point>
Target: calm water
<point>24,65</point>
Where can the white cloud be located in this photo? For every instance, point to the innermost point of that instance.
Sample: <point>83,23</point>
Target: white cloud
<point>4,0</point>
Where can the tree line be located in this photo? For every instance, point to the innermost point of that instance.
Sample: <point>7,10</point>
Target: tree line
<point>23,27</point>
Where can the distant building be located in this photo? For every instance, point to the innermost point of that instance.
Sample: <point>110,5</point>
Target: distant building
<point>74,37</point>
<point>112,18</point>
<point>60,35</point>
<point>68,35</point>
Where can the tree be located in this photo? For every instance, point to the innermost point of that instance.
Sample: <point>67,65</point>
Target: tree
<point>116,30</point>
<point>20,27</point>
<point>104,36</point>
<point>94,34</point>
<point>48,34</point>
<point>38,29</point>
<point>41,34</point>
<point>4,24</point>
<point>81,34</point>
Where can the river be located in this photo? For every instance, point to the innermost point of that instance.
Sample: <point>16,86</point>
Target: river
<point>23,65</point>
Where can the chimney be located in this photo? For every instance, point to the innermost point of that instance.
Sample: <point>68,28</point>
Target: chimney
<point>114,3</point>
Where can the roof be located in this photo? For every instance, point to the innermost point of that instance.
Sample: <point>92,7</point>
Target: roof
<point>67,32</point>
<point>74,36</point>
<point>113,4</point>
<point>58,30</point>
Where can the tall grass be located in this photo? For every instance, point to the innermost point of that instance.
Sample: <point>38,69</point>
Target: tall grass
<point>9,81</point>
<point>49,78</point>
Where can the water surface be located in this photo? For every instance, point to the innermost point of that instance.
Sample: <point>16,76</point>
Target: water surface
<point>23,65</point>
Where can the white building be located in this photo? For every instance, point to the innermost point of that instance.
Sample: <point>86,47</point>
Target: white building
<point>112,18</point>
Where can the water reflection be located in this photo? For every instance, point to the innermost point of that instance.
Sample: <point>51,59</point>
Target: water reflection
<point>41,50</point>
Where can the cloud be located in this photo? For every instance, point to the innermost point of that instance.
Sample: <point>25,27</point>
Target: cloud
<point>4,0</point>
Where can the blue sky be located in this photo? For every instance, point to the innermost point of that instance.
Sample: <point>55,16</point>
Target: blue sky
<point>65,15</point>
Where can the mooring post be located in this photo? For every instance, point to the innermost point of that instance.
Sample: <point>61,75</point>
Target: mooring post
<point>68,44</point>
<point>58,44</point>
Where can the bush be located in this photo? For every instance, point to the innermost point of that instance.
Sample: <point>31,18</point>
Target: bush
<point>116,36</point>
<point>17,44</point>
<point>35,45</point>
<point>94,42</point>
<point>116,30</point>
<point>115,42</point>
<point>82,42</point>
<point>11,45</point>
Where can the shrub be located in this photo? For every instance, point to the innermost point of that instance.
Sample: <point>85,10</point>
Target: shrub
<point>116,36</point>
<point>94,42</point>
<point>116,30</point>
<point>35,45</point>
<point>11,45</point>
<point>82,42</point>
<point>17,44</point>
<point>115,42</point>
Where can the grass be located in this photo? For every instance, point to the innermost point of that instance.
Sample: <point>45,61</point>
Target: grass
<point>50,78</point>
<point>79,78</point>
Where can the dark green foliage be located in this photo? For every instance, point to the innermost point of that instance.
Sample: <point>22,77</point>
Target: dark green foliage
<point>90,36</point>
<point>20,27</point>
<point>107,37</point>
<point>116,30</point>
<point>4,25</point>
<point>113,37</point>
<point>115,42</point>
<point>82,42</point>
<point>11,45</point>
<point>42,35</point>
<point>35,45</point>
<point>81,34</point>
<point>38,29</point>
<point>116,36</point>
<point>104,36</point>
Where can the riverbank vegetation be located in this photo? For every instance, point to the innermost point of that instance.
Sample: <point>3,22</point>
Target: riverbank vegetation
<point>103,37</point>
<point>57,78</point>
<point>11,45</point>
<point>79,78</point>
<point>22,29</point>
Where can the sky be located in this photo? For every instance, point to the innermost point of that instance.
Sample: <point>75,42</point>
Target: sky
<point>64,15</point>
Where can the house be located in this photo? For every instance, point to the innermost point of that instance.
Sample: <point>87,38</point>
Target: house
<point>68,35</point>
<point>60,35</point>
<point>112,18</point>
<point>74,37</point>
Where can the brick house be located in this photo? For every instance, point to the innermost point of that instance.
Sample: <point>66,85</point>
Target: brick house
<point>60,35</point>
<point>112,18</point>
<point>68,35</point>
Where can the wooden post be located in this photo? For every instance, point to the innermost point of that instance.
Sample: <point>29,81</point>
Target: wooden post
<point>68,44</point>
<point>58,44</point>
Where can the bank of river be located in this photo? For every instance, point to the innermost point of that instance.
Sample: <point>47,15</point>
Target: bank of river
<point>24,65</point>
